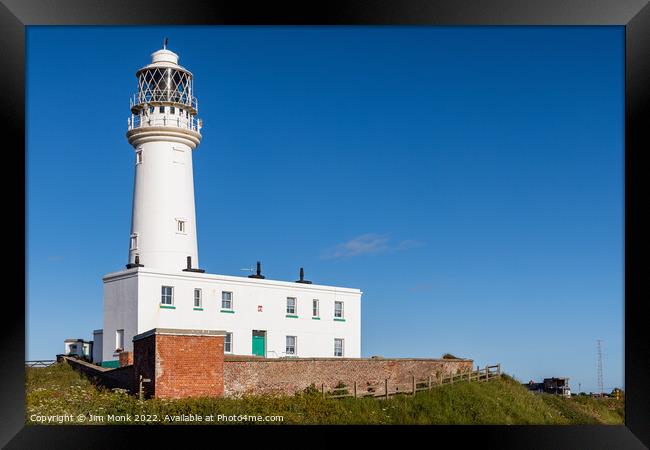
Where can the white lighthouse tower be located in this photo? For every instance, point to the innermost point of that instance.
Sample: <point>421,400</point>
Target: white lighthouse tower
<point>164,130</point>
<point>162,286</point>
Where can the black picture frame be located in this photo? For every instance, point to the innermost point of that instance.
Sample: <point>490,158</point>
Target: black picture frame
<point>634,15</point>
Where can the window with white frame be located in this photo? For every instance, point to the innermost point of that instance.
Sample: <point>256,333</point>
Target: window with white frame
<point>167,295</point>
<point>226,300</point>
<point>180,225</point>
<point>227,343</point>
<point>291,305</point>
<point>338,309</point>
<point>138,157</point>
<point>134,241</point>
<point>119,340</point>
<point>198,302</point>
<point>314,311</point>
<point>338,347</point>
<point>291,345</point>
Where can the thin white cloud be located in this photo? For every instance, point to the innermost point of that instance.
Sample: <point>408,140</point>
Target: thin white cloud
<point>370,243</point>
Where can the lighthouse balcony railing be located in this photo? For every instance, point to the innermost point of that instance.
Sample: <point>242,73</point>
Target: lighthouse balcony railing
<point>159,96</point>
<point>191,123</point>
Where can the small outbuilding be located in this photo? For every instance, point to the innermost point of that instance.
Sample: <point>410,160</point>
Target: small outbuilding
<point>78,347</point>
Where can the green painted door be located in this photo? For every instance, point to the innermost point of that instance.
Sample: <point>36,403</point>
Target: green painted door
<point>258,345</point>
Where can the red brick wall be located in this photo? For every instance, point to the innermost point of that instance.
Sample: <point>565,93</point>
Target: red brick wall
<point>180,366</point>
<point>189,366</point>
<point>126,358</point>
<point>243,375</point>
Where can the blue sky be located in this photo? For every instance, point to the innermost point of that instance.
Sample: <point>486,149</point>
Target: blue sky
<point>468,179</point>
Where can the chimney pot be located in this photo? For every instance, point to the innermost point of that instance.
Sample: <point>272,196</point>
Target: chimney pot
<point>302,277</point>
<point>258,272</point>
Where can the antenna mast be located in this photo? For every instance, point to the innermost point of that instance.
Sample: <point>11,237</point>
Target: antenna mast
<point>599,368</point>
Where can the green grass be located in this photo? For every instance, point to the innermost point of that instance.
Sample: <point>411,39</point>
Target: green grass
<point>59,390</point>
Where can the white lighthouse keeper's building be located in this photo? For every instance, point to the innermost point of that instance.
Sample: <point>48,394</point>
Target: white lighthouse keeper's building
<point>163,286</point>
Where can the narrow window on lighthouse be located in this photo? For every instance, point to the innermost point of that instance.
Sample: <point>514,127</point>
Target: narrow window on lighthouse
<point>134,241</point>
<point>197,298</point>
<point>180,226</point>
<point>162,109</point>
<point>138,157</point>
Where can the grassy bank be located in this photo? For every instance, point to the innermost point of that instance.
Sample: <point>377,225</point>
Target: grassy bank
<point>58,390</point>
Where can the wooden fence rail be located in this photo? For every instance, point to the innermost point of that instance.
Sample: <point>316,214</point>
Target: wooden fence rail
<point>385,389</point>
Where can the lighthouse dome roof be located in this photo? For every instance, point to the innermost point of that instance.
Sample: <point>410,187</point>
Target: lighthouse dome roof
<point>164,55</point>
<point>164,58</point>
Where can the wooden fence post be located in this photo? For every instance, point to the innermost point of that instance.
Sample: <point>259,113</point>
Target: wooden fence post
<point>487,373</point>
<point>413,384</point>
<point>386,387</point>
<point>499,370</point>
<point>355,389</point>
<point>429,382</point>
<point>322,389</point>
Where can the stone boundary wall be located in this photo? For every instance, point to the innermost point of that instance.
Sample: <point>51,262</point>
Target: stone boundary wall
<point>250,375</point>
<point>108,377</point>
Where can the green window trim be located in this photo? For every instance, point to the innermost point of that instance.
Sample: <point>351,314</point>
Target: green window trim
<point>315,318</point>
<point>112,364</point>
<point>339,319</point>
<point>198,309</point>
<point>168,306</point>
<point>292,316</point>
<point>228,311</point>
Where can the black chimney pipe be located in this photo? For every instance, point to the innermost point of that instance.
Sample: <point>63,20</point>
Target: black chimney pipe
<point>189,267</point>
<point>136,263</point>
<point>258,273</point>
<point>302,277</point>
